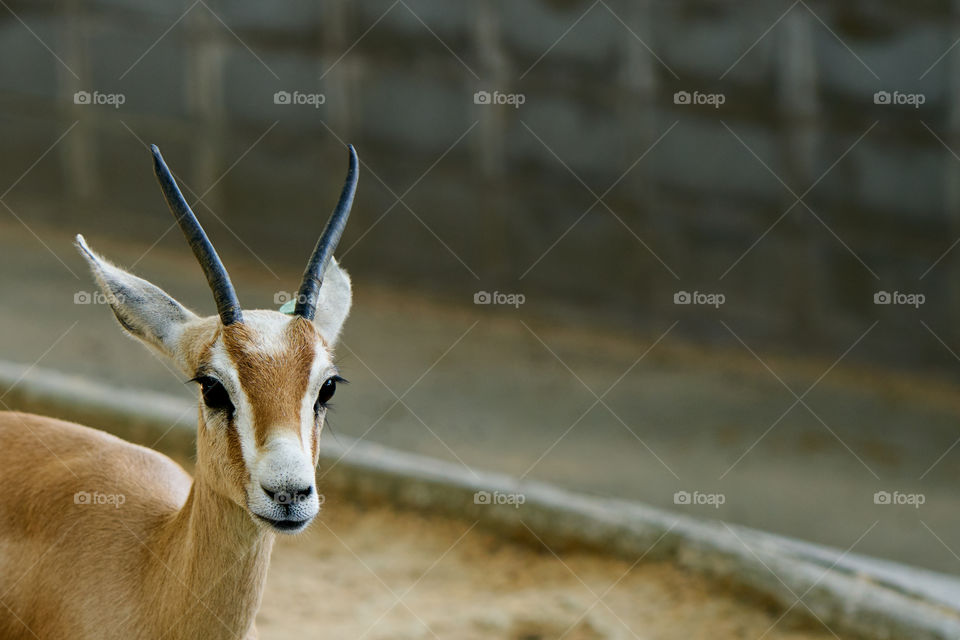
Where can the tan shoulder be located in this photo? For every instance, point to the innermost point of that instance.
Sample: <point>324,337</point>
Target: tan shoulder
<point>71,456</point>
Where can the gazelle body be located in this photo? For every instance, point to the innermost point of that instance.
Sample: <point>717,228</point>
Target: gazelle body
<point>100,538</point>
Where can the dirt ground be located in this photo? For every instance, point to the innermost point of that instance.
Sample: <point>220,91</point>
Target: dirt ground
<point>379,573</point>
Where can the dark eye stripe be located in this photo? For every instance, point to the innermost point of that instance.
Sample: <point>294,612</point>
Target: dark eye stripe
<point>214,394</point>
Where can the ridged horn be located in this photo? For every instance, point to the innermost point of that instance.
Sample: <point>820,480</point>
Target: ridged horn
<point>228,307</point>
<point>306,304</point>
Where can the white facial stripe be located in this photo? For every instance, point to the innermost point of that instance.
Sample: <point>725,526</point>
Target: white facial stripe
<point>319,372</point>
<point>224,368</point>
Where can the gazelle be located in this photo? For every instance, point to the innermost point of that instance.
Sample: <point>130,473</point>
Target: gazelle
<point>100,538</point>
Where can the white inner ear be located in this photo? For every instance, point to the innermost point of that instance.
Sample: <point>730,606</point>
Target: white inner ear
<point>144,310</point>
<point>333,303</point>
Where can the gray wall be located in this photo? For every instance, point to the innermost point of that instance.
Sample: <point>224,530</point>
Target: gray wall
<point>399,81</point>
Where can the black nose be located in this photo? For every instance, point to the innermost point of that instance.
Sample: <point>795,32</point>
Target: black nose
<point>287,495</point>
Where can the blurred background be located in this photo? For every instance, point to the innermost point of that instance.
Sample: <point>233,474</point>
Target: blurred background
<point>696,254</point>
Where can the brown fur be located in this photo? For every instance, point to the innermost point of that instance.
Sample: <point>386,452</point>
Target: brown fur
<point>174,561</point>
<point>181,558</point>
<point>274,384</point>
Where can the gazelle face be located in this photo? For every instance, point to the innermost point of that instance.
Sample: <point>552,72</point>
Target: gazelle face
<point>264,386</point>
<point>265,377</point>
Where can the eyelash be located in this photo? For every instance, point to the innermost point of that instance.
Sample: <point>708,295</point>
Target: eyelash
<point>320,394</point>
<point>214,394</point>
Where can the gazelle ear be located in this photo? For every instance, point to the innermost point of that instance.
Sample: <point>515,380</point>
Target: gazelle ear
<point>333,302</point>
<point>144,311</point>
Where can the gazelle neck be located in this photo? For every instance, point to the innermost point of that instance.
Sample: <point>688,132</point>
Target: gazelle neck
<point>211,567</point>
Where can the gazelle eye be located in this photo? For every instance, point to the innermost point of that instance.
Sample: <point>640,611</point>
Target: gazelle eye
<point>214,394</point>
<point>327,389</point>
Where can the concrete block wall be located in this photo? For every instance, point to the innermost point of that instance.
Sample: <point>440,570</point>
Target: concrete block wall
<point>598,81</point>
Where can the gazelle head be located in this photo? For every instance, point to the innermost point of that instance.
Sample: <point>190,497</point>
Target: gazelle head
<point>264,377</point>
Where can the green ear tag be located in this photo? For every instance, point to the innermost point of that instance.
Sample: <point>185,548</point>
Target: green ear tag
<point>288,307</point>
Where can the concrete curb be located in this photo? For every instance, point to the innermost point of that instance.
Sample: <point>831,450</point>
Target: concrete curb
<point>849,593</point>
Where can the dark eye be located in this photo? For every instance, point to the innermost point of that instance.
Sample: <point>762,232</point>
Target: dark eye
<point>327,389</point>
<point>214,395</point>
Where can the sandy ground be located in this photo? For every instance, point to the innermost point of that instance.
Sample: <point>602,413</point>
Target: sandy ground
<point>382,574</point>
